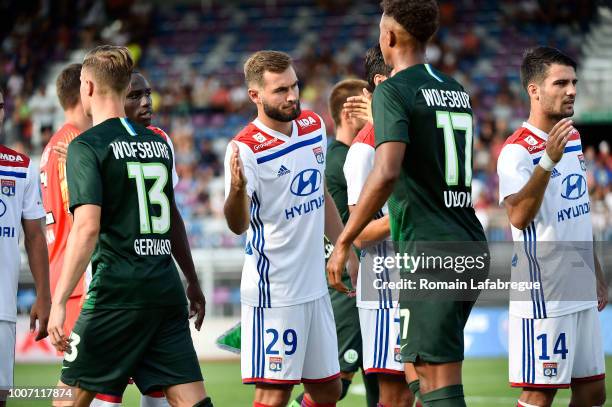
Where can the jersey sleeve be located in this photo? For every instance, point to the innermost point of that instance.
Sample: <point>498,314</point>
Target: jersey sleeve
<point>32,207</point>
<point>84,178</point>
<point>514,168</point>
<point>249,165</point>
<point>391,119</point>
<point>175,178</point>
<point>359,162</point>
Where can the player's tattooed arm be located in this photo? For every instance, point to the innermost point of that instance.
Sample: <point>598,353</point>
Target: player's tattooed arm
<point>79,248</point>
<point>36,248</point>
<point>523,206</point>
<point>236,208</point>
<point>182,254</point>
<point>376,191</point>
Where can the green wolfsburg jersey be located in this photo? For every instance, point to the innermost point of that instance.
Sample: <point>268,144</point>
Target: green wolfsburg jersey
<point>126,169</point>
<point>430,112</point>
<point>334,176</point>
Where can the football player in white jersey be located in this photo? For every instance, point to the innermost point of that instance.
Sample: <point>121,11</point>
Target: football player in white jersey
<point>20,206</point>
<point>555,337</point>
<point>275,192</point>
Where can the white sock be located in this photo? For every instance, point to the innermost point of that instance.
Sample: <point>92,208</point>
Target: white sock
<point>523,404</point>
<point>105,400</point>
<point>154,401</point>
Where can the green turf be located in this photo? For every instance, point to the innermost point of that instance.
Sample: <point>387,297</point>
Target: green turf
<point>486,384</point>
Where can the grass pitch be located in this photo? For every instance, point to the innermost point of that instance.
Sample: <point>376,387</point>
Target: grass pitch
<point>485,381</point>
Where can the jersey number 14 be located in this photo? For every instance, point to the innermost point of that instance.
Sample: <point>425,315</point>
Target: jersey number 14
<point>155,195</point>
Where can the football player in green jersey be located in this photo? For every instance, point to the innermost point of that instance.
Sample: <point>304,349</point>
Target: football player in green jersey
<point>134,322</point>
<point>423,129</point>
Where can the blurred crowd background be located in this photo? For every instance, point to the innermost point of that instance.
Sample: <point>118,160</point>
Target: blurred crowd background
<point>192,53</point>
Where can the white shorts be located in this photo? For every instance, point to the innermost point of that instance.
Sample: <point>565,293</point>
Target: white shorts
<point>289,345</point>
<point>554,352</point>
<point>380,333</point>
<point>7,354</point>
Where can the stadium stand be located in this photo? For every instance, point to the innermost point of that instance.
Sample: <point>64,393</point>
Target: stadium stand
<point>192,53</point>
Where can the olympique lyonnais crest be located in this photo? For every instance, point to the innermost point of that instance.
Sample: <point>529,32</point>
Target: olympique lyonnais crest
<point>276,364</point>
<point>397,355</point>
<point>7,187</point>
<point>582,163</point>
<point>550,369</point>
<point>318,152</point>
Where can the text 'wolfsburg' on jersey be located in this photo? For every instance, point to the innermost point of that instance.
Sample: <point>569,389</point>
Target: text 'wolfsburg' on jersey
<point>127,170</point>
<point>431,113</point>
<point>556,248</point>
<point>284,261</point>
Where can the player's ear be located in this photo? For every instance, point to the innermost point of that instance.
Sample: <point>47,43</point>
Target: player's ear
<point>254,95</point>
<point>533,91</point>
<point>90,88</point>
<point>391,38</point>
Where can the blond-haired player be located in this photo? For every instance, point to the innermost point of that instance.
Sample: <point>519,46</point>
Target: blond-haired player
<point>134,321</point>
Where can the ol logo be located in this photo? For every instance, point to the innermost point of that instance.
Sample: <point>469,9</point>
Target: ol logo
<point>275,364</point>
<point>306,182</point>
<point>550,369</point>
<point>318,152</point>
<point>573,187</point>
<point>7,187</point>
<point>397,355</point>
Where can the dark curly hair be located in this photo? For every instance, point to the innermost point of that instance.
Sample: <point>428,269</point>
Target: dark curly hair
<point>418,17</point>
<point>375,65</point>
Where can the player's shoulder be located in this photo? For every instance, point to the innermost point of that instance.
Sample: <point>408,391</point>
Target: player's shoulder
<point>308,122</point>
<point>12,158</point>
<point>159,132</point>
<point>365,135</point>
<point>525,139</point>
<point>256,139</point>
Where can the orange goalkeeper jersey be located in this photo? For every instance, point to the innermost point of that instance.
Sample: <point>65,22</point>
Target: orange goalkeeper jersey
<point>56,201</point>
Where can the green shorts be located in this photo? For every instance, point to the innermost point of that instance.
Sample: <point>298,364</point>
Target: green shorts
<point>435,330</point>
<point>348,331</point>
<point>152,346</point>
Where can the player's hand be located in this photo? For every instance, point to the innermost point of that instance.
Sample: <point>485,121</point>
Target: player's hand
<point>238,179</point>
<point>335,267</point>
<point>40,311</point>
<point>197,304</point>
<point>602,295</point>
<point>61,149</point>
<point>56,328</point>
<point>352,267</point>
<point>557,139</point>
<point>360,107</point>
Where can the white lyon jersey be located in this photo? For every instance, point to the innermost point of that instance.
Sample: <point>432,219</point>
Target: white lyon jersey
<point>564,264</point>
<point>284,261</point>
<point>19,199</point>
<point>358,165</point>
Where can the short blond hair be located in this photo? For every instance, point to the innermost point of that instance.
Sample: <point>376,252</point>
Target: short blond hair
<point>342,90</point>
<point>265,61</point>
<point>111,66</point>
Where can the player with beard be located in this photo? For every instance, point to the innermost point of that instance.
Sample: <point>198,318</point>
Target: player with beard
<point>275,192</point>
<point>542,184</point>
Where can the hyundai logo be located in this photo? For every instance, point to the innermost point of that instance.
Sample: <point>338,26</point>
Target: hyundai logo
<point>574,186</point>
<point>306,182</point>
<point>2,208</point>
